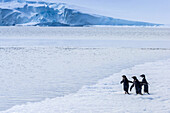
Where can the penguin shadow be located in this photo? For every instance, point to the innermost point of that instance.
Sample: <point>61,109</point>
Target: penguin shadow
<point>143,94</point>
<point>123,93</point>
<point>130,94</point>
<point>146,97</point>
<point>133,94</point>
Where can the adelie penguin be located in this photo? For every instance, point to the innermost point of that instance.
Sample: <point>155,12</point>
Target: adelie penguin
<point>125,82</point>
<point>145,83</point>
<point>137,84</point>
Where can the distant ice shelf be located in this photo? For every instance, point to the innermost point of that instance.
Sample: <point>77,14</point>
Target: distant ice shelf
<point>33,13</point>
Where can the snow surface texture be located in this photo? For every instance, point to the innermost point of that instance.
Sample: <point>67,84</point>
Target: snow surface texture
<point>53,14</point>
<point>30,74</point>
<point>85,33</point>
<point>74,48</point>
<point>107,97</point>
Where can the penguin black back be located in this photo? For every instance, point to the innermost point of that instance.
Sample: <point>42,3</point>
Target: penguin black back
<point>145,83</point>
<point>137,84</point>
<point>125,82</point>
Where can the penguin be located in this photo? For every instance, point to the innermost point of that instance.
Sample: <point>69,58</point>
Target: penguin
<point>125,82</point>
<point>137,84</point>
<point>145,83</point>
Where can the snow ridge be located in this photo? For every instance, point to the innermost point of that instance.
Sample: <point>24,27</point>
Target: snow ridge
<point>54,14</point>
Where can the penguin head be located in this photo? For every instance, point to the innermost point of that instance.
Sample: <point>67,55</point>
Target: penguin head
<point>134,77</point>
<point>143,76</point>
<point>123,76</point>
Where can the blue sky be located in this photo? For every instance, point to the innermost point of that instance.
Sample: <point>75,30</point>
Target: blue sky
<point>156,11</point>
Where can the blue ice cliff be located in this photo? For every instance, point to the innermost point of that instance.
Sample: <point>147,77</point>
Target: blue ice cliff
<point>53,14</point>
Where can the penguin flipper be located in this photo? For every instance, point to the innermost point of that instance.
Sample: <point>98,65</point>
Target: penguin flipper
<point>132,86</point>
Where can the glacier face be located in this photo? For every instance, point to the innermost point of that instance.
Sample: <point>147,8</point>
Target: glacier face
<point>53,14</point>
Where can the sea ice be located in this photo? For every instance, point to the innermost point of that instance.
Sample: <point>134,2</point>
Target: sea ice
<point>107,95</point>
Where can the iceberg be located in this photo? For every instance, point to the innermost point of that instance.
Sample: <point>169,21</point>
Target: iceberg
<point>34,13</point>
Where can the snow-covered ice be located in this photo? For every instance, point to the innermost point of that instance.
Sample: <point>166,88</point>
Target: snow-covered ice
<point>107,97</point>
<point>30,74</point>
<point>86,33</point>
<point>57,69</point>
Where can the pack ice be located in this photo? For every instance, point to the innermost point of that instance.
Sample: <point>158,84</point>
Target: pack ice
<point>42,13</point>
